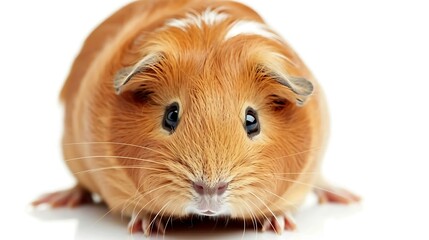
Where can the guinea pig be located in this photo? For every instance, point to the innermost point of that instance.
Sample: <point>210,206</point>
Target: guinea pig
<point>176,108</point>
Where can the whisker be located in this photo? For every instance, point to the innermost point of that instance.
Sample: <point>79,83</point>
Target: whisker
<point>263,214</point>
<point>117,168</point>
<point>141,210</point>
<point>252,218</point>
<point>135,199</point>
<point>120,157</point>
<point>313,186</point>
<point>135,195</point>
<point>132,222</point>
<point>244,225</point>
<point>169,218</point>
<point>132,199</point>
<point>288,202</point>
<point>108,212</point>
<point>298,153</point>
<point>117,143</point>
<point>297,173</point>
<point>165,205</point>
<point>269,209</point>
<point>160,218</point>
<point>146,193</point>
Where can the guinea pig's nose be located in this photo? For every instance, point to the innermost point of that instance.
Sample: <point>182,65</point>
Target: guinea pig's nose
<point>202,188</point>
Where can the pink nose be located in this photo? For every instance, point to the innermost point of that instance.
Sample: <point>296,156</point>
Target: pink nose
<point>202,188</point>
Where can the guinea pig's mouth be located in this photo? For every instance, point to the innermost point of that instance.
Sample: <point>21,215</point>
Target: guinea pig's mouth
<point>208,208</point>
<point>208,213</point>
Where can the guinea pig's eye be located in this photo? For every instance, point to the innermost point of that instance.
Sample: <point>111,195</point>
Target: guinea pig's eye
<point>251,123</point>
<point>171,117</point>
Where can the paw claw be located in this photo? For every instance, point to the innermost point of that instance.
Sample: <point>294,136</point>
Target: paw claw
<point>135,225</point>
<point>146,225</point>
<point>279,223</point>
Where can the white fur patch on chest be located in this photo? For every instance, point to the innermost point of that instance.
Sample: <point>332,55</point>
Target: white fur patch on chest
<point>209,17</point>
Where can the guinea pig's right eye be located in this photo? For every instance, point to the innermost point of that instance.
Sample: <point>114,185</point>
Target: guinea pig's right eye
<point>251,123</point>
<point>171,117</point>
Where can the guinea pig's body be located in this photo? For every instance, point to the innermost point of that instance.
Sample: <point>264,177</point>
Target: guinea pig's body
<point>184,107</point>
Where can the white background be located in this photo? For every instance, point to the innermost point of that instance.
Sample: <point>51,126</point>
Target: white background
<point>372,57</point>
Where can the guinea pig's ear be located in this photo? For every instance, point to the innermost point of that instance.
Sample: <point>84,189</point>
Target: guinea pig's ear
<point>123,79</point>
<point>274,65</point>
<point>301,87</point>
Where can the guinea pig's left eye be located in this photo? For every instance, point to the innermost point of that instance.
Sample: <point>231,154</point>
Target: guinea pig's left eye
<point>171,117</point>
<point>251,123</point>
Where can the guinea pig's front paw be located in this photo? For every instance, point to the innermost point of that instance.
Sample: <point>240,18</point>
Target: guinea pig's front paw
<point>72,197</point>
<point>146,224</point>
<point>279,223</point>
<point>332,194</point>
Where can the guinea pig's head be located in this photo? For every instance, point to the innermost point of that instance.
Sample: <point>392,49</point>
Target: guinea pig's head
<point>212,118</point>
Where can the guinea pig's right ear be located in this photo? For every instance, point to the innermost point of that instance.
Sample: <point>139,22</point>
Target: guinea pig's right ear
<point>273,65</point>
<point>301,87</point>
<point>124,78</point>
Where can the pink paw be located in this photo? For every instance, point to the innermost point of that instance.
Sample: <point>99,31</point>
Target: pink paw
<point>336,195</point>
<point>67,198</point>
<point>279,223</point>
<point>146,225</point>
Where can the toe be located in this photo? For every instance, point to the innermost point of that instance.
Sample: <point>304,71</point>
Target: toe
<point>279,223</point>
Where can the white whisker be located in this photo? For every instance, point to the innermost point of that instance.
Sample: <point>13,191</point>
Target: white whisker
<point>263,203</point>
<point>263,214</point>
<point>298,153</point>
<point>244,224</point>
<point>118,157</point>
<point>297,173</point>
<point>117,168</point>
<point>153,220</point>
<point>313,186</point>
<point>117,143</point>
<point>287,201</point>
<point>149,192</point>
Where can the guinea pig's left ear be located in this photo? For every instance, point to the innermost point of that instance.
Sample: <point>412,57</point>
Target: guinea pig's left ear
<point>123,79</point>
<point>301,87</point>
